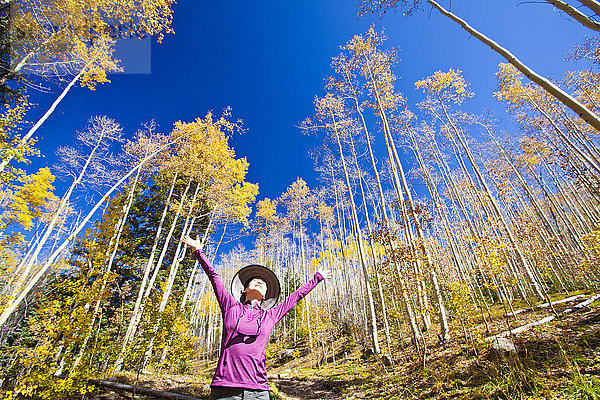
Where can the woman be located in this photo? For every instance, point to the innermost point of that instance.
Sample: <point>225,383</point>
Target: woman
<point>249,316</point>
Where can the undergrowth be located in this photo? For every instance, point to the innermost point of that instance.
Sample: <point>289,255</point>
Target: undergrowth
<point>559,360</point>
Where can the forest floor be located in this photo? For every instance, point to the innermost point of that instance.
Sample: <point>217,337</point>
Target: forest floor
<point>556,360</point>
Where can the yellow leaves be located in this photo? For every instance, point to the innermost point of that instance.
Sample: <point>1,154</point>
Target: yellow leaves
<point>366,43</point>
<point>459,296</point>
<point>325,212</point>
<point>68,35</point>
<point>29,200</point>
<point>492,253</point>
<point>12,117</point>
<point>203,154</point>
<point>365,56</point>
<point>447,86</point>
<point>59,325</point>
<point>510,84</point>
<point>534,151</point>
<point>298,200</point>
<point>591,251</point>
<point>11,122</point>
<point>98,61</point>
<point>266,209</point>
<point>238,199</point>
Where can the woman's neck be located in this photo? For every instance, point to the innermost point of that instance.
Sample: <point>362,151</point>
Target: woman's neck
<point>253,302</point>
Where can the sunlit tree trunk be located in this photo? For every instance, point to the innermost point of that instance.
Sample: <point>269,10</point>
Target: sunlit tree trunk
<point>551,88</point>
<point>174,263</point>
<point>116,239</point>
<point>43,119</point>
<point>371,245</point>
<point>35,279</point>
<point>136,314</point>
<point>592,5</point>
<point>106,128</point>
<point>357,230</point>
<point>576,14</point>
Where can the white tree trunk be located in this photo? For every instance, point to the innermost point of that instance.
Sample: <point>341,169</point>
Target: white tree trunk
<point>551,88</point>
<point>7,312</point>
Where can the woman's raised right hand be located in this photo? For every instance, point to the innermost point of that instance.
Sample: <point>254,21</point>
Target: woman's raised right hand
<point>195,243</point>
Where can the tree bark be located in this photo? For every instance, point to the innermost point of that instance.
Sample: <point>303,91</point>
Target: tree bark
<point>373,332</point>
<point>551,88</point>
<point>576,14</point>
<point>592,5</point>
<point>136,314</point>
<point>7,312</point>
<point>43,119</point>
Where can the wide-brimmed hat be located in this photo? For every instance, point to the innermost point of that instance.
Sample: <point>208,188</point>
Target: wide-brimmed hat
<point>249,272</point>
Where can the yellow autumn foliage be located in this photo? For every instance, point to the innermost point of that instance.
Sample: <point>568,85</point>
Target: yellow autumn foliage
<point>27,200</point>
<point>207,158</point>
<point>49,38</point>
<point>447,86</point>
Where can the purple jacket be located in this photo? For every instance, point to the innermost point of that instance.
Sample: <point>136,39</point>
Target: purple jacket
<point>246,331</point>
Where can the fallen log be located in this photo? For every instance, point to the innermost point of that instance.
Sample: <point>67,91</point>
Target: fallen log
<point>139,390</point>
<point>543,320</point>
<point>521,328</point>
<point>544,305</point>
<point>584,304</point>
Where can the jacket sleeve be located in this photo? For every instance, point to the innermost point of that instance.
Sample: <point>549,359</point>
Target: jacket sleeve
<point>225,299</point>
<point>284,307</point>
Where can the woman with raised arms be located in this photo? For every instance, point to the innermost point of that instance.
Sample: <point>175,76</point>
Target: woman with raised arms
<point>249,316</point>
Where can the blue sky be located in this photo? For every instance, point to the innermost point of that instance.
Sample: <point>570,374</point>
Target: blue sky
<point>268,59</point>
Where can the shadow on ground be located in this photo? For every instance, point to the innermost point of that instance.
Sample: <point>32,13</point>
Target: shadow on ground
<point>321,389</point>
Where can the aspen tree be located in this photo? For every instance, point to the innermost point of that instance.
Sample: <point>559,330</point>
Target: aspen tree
<point>375,67</point>
<point>548,225</point>
<point>76,39</point>
<point>592,5</point>
<point>372,243</point>
<point>576,14</point>
<point>515,93</point>
<point>331,111</point>
<point>576,106</point>
<point>6,313</point>
<point>347,87</point>
<point>53,37</point>
<point>299,204</point>
<point>443,213</point>
<point>174,262</point>
<point>83,168</point>
<point>27,138</point>
<point>195,270</point>
<point>451,87</point>
<point>143,293</point>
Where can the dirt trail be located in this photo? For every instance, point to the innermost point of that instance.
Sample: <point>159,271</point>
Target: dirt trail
<point>294,389</point>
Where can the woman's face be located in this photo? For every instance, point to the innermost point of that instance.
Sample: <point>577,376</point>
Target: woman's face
<point>257,289</point>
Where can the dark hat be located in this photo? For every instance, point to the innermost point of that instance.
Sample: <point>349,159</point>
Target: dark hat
<point>249,272</point>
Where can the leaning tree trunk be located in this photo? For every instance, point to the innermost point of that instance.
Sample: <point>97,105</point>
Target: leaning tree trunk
<point>551,88</point>
<point>61,207</point>
<point>174,263</point>
<point>137,308</point>
<point>7,312</point>
<point>592,5</point>
<point>117,238</point>
<point>372,246</point>
<point>576,14</point>
<point>43,119</point>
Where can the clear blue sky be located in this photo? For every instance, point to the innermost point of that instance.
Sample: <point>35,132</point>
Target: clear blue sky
<point>268,59</point>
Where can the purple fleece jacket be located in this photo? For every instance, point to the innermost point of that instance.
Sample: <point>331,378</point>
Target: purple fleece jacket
<point>242,361</point>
